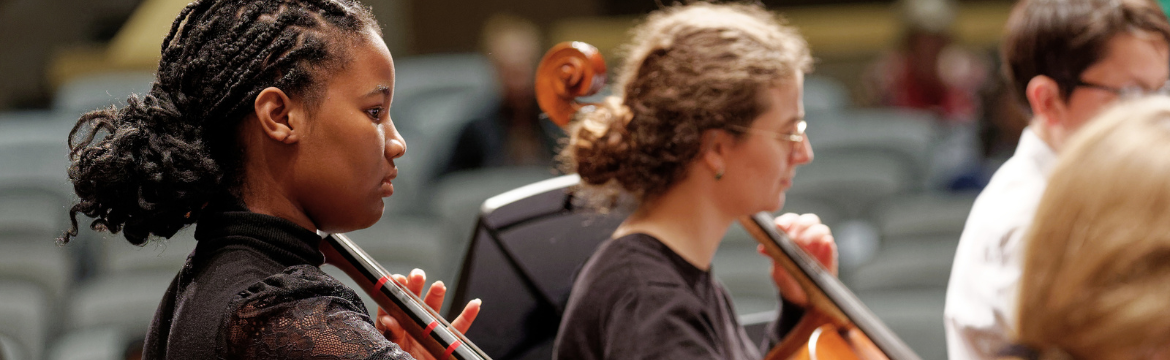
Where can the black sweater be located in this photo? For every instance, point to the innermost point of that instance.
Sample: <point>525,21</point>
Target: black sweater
<point>637,299</point>
<point>253,289</point>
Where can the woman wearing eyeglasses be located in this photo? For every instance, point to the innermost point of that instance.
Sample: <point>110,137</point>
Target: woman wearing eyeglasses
<point>706,126</point>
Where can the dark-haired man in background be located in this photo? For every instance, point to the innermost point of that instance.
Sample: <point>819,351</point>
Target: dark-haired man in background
<point>1066,60</point>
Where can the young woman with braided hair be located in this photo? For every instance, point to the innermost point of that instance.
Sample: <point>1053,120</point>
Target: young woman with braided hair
<point>267,121</point>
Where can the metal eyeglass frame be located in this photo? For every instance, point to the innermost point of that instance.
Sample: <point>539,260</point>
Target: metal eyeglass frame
<point>1127,92</point>
<point>798,137</point>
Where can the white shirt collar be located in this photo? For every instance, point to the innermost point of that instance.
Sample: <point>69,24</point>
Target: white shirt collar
<point>1036,150</point>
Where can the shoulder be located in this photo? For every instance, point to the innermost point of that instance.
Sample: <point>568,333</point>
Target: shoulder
<point>630,266</point>
<point>1006,206</point>
<point>297,313</point>
<point>629,293</point>
<point>980,296</point>
<point>297,281</point>
<point>288,292</point>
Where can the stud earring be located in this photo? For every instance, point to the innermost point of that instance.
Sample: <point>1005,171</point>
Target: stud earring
<point>719,175</point>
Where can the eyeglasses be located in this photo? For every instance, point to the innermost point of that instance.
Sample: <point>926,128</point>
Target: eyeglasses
<point>796,137</point>
<point>1127,92</point>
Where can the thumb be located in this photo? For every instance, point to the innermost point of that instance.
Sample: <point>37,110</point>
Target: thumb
<point>390,327</point>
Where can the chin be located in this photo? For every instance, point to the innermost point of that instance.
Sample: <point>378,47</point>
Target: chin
<point>375,214</point>
<point>353,221</point>
<point>779,204</point>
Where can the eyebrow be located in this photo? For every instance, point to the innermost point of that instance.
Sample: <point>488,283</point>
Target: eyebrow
<point>379,90</point>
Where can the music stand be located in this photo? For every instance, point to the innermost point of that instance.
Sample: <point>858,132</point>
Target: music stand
<point>526,249</point>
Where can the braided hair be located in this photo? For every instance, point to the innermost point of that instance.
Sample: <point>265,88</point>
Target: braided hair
<point>150,168</point>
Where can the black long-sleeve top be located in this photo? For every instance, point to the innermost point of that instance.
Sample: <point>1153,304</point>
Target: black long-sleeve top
<point>253,289</point>
<point>637,299</point>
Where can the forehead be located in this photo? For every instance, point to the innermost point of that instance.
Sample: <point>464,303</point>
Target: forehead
<point>783,103</point>
<point>369,66</point>
<point>1133,58</point>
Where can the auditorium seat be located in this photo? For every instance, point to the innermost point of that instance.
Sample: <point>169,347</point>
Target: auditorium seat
<point>11,349</point>
<point>126,301</point>
<point>32,214</point>
<point>458,197</point>
<point>24,318</point>
<point>908,217</point>
<point>158,255</point>
<point>915,315</point>
<point>42,264</point>
<point>924,263</point>
<point>903,134</point>
<point>825,94</point>
<point>91,92</point>
<point>852,182</point>
<point>35,162</point>
<point>97,343</point>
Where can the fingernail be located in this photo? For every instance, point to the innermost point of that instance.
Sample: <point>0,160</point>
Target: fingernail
<point>477,301</point>
<point>440,283</point>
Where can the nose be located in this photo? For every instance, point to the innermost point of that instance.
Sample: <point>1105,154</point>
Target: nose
<point>395,145</point>
<point>803,153</point>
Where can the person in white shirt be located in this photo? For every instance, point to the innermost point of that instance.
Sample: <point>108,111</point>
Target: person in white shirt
<point>1065,60</point>
<point>1103,295</point>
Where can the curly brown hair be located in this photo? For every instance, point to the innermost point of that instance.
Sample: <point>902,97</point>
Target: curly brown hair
<point>689,69</point>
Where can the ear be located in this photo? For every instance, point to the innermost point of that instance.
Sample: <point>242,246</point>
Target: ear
<point>1044,97</point>
<point>277,115</point>
<point>715,145</point>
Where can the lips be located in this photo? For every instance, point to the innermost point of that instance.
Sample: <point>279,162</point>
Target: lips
<point>786,182</point>
<point>387,185</point>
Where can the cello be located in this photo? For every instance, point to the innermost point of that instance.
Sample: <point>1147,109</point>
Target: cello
<point>836,325</point>
<point>420,321</point>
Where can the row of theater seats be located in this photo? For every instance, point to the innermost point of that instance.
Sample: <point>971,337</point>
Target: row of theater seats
<point>873,181</point>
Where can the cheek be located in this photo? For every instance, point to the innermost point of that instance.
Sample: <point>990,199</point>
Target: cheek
<point>766,169</point>
<point>1085,108</point>
<point>773,164</point>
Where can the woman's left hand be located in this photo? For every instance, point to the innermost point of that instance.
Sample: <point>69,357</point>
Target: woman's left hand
<point>815,239</point>
<point>434,298</point>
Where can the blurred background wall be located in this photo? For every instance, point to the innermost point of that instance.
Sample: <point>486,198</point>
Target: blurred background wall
<point>44,43</point>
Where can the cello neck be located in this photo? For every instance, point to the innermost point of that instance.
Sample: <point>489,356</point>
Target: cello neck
<point>419,320</point>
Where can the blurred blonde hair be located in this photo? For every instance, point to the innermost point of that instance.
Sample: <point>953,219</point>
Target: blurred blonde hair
<point>1096,278</point>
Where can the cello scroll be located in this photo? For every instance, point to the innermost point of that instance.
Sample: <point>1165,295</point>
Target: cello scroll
<point>568,71</point>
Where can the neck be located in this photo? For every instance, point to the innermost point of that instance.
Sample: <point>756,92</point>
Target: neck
<point>1045,132</point>
<point>685,219</point>
<point>270,203</point>
<point>263,190</point>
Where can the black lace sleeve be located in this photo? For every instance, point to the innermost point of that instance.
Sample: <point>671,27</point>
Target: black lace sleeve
<point>302,313</point>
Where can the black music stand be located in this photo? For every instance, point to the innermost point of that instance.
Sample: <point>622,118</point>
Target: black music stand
<point>527,246</point>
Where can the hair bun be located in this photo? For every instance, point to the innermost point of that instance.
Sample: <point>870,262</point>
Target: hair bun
<point>153,109</point>
<point>601,142</point>
<point>149,172</point>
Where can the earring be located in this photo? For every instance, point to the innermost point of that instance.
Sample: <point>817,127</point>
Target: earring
<point>719,175</point>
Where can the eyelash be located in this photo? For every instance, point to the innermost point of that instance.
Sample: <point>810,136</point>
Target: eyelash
<point>375,113</point>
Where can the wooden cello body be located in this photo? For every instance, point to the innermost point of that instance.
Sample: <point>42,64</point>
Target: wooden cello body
<point>836,325</point>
